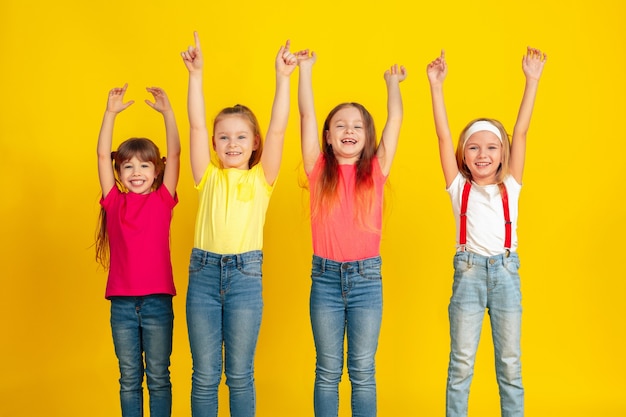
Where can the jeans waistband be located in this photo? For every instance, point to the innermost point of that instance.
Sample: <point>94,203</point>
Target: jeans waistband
<point>360,265</point>
<point>476,259</point>
<point>205,257</point>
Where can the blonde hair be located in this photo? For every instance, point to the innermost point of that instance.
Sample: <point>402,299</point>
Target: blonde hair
<point>503,169</point>
<point>244,112</point>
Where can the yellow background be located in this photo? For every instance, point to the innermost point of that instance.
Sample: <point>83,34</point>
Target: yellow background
<point>59,59</point>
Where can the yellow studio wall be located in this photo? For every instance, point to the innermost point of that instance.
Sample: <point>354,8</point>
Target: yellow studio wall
<point>59,59</point>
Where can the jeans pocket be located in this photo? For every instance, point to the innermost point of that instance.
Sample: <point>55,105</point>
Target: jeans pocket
<point>372,274</point>
<point>195,264</point>
<point>512,265</point>
<point>316,268</point>
<point>461,262</point>
<point>316,273</point>
<point>252,268</point>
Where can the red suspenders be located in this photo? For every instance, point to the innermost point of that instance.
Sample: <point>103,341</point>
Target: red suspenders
<point>464,198</point>
<point>507,217</point>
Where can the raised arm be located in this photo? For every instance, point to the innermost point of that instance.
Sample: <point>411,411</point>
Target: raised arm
<point>115,104</point>
<point>275,138</point>
<point>437,71</point>
<point>199,147</point>
<point>308,123</point>
<point>391,132</point>
<point>532,65</point>
<point>172,165</point>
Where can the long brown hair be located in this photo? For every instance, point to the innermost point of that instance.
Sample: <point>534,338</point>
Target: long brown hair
<point>146,151</point>
<point>326,189</point>
<point>243,111</point>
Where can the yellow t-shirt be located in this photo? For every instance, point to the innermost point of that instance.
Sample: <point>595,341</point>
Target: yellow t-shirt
<point>231,210</point>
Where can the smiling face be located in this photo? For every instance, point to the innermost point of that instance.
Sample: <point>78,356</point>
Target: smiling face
<point>483,156</point>
<point>346,134</point>
<point>234,141</point>
<point>137,176</point>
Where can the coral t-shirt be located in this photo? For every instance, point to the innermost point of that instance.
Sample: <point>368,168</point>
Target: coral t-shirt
<point>339,235</point>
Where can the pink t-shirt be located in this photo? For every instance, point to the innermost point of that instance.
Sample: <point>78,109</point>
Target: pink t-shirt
<point>338,235</point>
<point>138,227</point>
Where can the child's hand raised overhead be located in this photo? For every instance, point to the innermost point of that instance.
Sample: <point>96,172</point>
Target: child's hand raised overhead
<point>306,58</point>
<point>161,102</point>
<point>532,63</point>
<point>115,102</point>
<point>437,70</point>
<point>286,62</point>
<point>396,73</point>
<point>192,57</point>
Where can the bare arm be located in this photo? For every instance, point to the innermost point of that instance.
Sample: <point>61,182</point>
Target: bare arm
<point>115,105</point>
<point>275,138</point>
<point>306,105</point>
<point>395,111</point>
<point>532,65</point>
<point>172,165</point>
<point>437,71</point>
<point>199,148</point>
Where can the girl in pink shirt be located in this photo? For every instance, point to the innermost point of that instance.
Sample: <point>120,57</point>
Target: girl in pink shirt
<point>346,179</point>
<point>138,196</point>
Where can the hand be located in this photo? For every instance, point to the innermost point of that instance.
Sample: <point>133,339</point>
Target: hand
<point>533,62</point>
<point>437,70</point>
<point>161,102</point>
<point>396,73</point>
<point>115,102</point>
<point>192,57</point>
<point>286,62</point>
<point>306,59</point>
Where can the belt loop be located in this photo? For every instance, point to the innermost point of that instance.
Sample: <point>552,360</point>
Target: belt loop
<point>239,259</point>
<point>361,267</point>
<point>470,258</point>
<point>323,264</point>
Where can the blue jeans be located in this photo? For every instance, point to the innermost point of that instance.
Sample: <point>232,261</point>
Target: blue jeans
<point>142,331</point>
<point>346,299</point>
<point>224,308</point>
<point>480,283</point>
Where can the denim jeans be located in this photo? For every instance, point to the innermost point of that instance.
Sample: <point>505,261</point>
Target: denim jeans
<point>224,308</point>
<point>346,299</point>
<point>481,283</point>
<point>142,331</point>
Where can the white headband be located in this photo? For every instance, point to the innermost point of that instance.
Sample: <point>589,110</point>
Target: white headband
<point>480,126</point>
